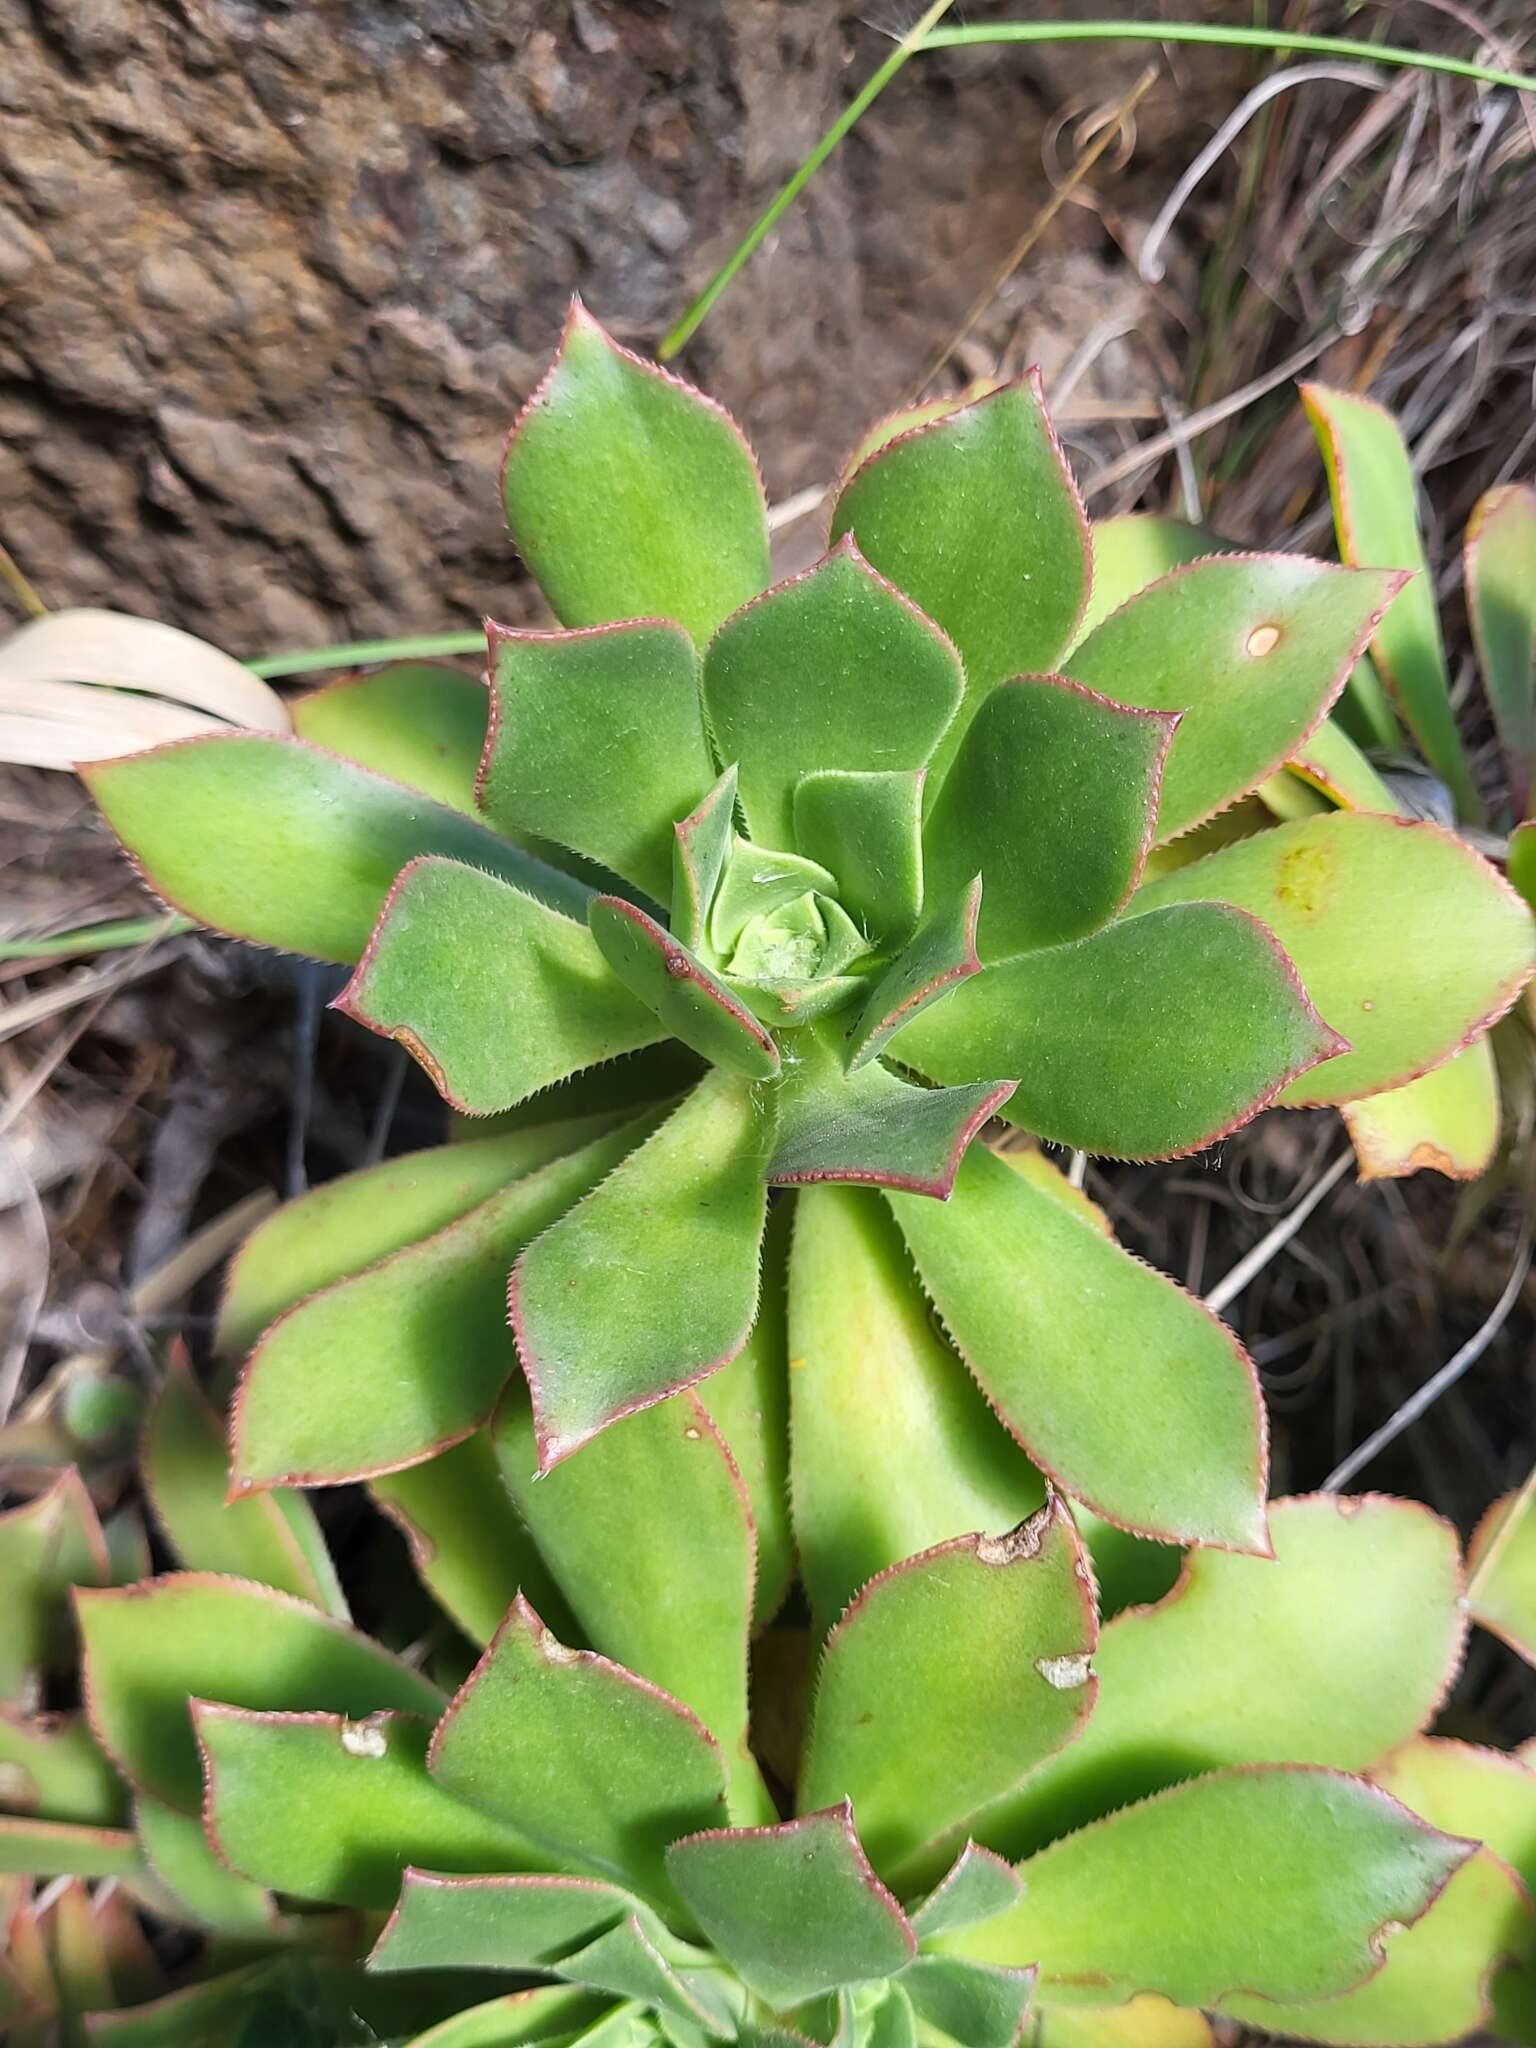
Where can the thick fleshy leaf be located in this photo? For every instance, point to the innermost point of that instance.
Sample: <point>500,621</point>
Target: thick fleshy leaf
<point>47,1545</point>
<point>49,1763</point>
<point>650,1537</point>
<point>975,2005</point>
<point>1501,1569</point>
<point>495,1923</point>
<point>467,1541</point>
<point>692,1003</point>
<point>867,829</point>
<point>629,493</point>
<point>56,1848</point>
<point>588,1759</point>
<point>1121,1048</point>
<point>637,1960</point>
<point>1284,1883</point>
<point>338,1229</point>
<point>597,742</point>
<point>328,1808</point>
<point>1522,861</point>
<point>976,517</point>
<point>1133,549</point>
<point>950,1678</point>
<point>833,669</point>
<point>1467,1790</point>
<point>868,1126</point>
<point>493,992</point>
<point>418,722</point>
<point>795,1909</point>
<point>1330,761</point>
<point>279,842</point>
<point>148,1649</point>
<point>415,1348</point>
<point>754,882</point>
<point>1053,800</point>
<point>977,1885</point>
<point>892,1448</point>
<point>1145,2022</point>
<point>1251,648</point>
<point>1128,1392</point>
<point>650,1283</point>
<point>185,1471</point>
<point>553,2014</point>
<point>701,843</point>
<point>1447,1120</point>
<point>1409,943</point>
<point>1375,510</point>
<point>1334,1652</point>
<point>941,954</point>
<point>180,1856</point>
<point>1501,603</point>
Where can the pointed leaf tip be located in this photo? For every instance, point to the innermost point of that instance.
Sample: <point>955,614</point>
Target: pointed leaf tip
<point>942,954</point>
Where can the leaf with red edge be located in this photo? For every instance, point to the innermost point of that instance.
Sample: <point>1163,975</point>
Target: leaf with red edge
<point>148,1649</point>
<point>1129,1393</point>
<point>181,1857</point>
<point>631,494</point>
<point>977,1886</point>
<point>1120,1046</point>
<point>692,1003</point>
<point>832,669</point>
<point>650,1283</point>
<point>47,1545</point>
<point>892,1447</point>
<point>418,722</point>
<point>415,1349</point>
<point>1133,549</point>
<point>1409,943</point>
<point>795,1909</point>
<point>597,1764</point>
<point>59,1848</point>
<point>650,1536</point>
<point>1053,800</point>
<point>597,742</point>
<point>1501,1570</point>
<point>702,843</point>
<point>275,841</point>
<point>496,995</point>
<point>1446,1121</point>
<point>1283,1882</point>
<point>321,1807</point>
<point>941,954</point>
<point>1334,1651</point>
<point>1252,649</point>
<point>1500,556</point>
<point>495,1923</point>
<point>949,1679</point>
<point>1375,510</point>
<point>975,515</point>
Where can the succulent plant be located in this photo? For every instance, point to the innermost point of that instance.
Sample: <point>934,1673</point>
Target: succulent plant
<point>890,849</point>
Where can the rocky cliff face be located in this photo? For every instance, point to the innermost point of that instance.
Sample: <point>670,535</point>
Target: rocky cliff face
<point>273,278</point>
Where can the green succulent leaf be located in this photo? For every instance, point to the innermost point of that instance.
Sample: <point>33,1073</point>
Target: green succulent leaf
<point>324,1807</point>
<point>950,1678</point>
<point>179,1854</point>
<point>870,1127</point>
<point>1280,1883</point>
<point>50,1764</point>
<point>1522,861</point>
<point>597,742</point>
<point>468,1543</point>
<point>494,993</point>
<point>1500,553</point>
<point>1334,1652</point>
<point>867,829</point>
<point>976,517</point>
<point>1330,761</point>
<point>1501,1567</point>
<point>977,1886</point>
<point>629,493</point>
<point>1408,941</point>
<point>1133,549</point>
<point>1053,800</point>
<point>692,1003</point>
<point>150,1648</point>
<point>416,1347</point>
<point>649,1283</point>
<point>1447,1119</point>
<point>1466,1790</point>
<point>976,2005</point>
<point>1251,648</point>
<point>309,845</point>
<point>755,881</point>
<point>597,1764</point>
<point>833,669</point>
<point>940,956</point>
<point>1375,511</point>
<point>185,1473</point>
<point>36,1848</point>
<point>1129,1393</point>
<point>553,2015</point>
<point>892,1447</point>
<point>338,1229</point>
<point>702,843</point>
<point>524,1922</point>
<point>418,722</point>
<point>628,1963</point>
<point>50,1543</point>
<point>795,1909</point>
<point>675,1608</point>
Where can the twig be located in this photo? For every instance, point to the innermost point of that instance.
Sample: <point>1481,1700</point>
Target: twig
<point>1275,1239</point>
